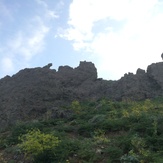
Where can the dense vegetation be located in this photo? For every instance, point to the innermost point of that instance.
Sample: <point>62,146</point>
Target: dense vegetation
<point>97,132</point>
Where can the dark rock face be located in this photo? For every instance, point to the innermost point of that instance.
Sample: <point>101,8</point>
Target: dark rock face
<point>135,87</point>
<point>142,85</point>
<point>155,72</point>
<point>31,93</point>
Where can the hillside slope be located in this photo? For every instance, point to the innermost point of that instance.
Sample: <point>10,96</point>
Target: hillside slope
<point>31,92</point>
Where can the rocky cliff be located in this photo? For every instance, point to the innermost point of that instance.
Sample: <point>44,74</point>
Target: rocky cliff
<point>30,93</point>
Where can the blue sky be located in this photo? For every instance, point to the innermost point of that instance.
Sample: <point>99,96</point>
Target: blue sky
<point>118,36</point>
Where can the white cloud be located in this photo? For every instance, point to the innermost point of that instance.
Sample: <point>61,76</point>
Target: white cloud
<point>21,47</point>
<point>27,39</point>
<point>135,43</point>
<point>7,65</point>
<point>28,43</point>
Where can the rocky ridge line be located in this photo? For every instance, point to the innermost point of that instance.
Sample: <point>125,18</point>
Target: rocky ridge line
<point>31,92</point>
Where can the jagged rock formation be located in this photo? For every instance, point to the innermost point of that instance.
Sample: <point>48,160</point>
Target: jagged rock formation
<point>30,93</point>
<point>48,65</point>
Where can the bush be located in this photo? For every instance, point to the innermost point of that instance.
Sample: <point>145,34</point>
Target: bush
<point>35,143</point>
<point>85,130</point>
<point>129,159</point>
<point>87,151</point>
<point>97,119</point>
<point>66,149</point>
<point>114,153</point>
<point>75,106</point>
<point>20,129</point>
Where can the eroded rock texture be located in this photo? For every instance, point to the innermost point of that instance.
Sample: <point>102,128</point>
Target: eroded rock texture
<point>32,92</point>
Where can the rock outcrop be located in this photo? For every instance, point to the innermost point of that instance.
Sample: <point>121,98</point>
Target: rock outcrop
<point>32,92</point>
<point>155,72</point>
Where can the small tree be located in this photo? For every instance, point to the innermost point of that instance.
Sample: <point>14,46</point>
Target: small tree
<point>35,143</point>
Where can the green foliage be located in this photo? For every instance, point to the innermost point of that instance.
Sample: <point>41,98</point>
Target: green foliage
<point>3,142</point>
<point>86,129</point>
<point>129,159</point>
<point>139,148</point>
<point>67,148</point>
<point>114,153</point>
<point>98,131</point>
<point>97,118</point>
<point>34,143</point>
<point>87,151</point>
<point>75,106</point>
<point>20,129</point>
<point>100,137</point>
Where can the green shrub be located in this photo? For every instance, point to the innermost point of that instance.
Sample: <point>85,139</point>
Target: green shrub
<point>97,119</point>
<point>3,142</point>
<point>87,151</point>
<point>34,143</point>
<point>129,159</point>
<point>114,153</point>
<point>155,143</point>
<point>98,131</point>
<point>100,137</point>
<point>66,149</point>
<point>20,129</point>
<point>113,125</point>
<point>85,130</point>
<point>75,106</point>
<point>139,149</point>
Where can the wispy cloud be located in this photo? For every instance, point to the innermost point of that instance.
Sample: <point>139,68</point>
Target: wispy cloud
<point>24,45</point>
<point>122,49</point>
<point>48,13</point>
<point>27,39</point>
